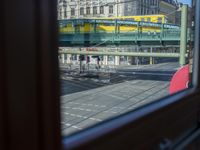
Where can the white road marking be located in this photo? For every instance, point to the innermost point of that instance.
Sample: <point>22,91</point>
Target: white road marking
<point>76,127</point>
<point>108,111</point>
<point>79,116</point>
<point>157,74</point>
<point>87,104</point>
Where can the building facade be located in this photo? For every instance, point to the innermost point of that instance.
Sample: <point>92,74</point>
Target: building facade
<point>169,8</point>
<point>69,9</point>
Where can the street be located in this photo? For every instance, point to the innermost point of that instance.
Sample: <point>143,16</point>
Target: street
<point>88,101</point>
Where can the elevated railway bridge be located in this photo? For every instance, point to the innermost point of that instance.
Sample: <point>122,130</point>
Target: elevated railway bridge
<point>144,33</point>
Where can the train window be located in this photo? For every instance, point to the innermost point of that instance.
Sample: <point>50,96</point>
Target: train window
<point>131,19</point>
<point>159,19</point>
<point>148,19</point>
<point>127,66</point>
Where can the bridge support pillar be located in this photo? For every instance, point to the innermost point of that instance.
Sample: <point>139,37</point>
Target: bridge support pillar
<point>105,60</point>
<point>116,60</point>
<point>63,58</point>
<point>69,58</point>
<point>151,58</point>
<point>133,60</point>
<point>183,40</point>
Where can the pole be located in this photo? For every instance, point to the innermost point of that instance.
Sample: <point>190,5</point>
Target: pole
<point>136,54</point>
<point>151,58</point>
<point>183,38</point>
<point>80,57</point>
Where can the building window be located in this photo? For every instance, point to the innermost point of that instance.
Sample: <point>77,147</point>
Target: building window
<point>110,9</point>
<point>72,11</point>
<point>60,13</point>
<point>141,10</point>
<point>101,9</point>
<point>94,10</point>
<point>88,10</point>
<point>65,13</point>
<point>81,11</point>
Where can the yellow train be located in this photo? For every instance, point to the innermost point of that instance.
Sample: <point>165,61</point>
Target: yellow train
<point>142,18</point>
<point>147,23</point>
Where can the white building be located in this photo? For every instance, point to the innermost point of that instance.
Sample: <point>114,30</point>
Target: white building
<point>68,9</point>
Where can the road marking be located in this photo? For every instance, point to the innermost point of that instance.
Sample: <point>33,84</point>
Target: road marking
<point>87,104</point>
<point>78,108</point>
<point>109,111</point>
<point>157,74</point>
<point>65,107</point>
<point>79,116</point>
<point>95,119</point>
<point>76,127</point>
<point>118,107</point>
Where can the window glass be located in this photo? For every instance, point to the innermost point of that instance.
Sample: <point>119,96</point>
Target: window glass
<point>123,59</point>
<point>148,19</point>
<point>72,11</point>
<point>101,9</point>
<point>88,10</point>
<point>65,13</point>
<point>110,9</point>
<point>95,10</point>
<point>81,11</point>
<point>159,19</point>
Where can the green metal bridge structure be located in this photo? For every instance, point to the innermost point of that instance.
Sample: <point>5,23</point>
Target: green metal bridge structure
<point>169,35</point>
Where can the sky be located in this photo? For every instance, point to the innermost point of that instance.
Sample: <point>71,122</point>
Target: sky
<point>186,1</point>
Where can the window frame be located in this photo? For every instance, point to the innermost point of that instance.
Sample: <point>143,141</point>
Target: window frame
<point>88,11</point>
<point>34,123</point>
<point>95,12</point>
<point>73,12</point>
<point>65,12</point>
<point>29,89</point>
<point>111,9</point>
<point>81,11</point>
<point>110,130</point>
<point>101,9</point>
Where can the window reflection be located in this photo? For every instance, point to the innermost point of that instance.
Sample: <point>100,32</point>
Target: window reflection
<point>116,56</point>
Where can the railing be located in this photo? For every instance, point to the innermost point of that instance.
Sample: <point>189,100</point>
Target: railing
<point>169,36</point>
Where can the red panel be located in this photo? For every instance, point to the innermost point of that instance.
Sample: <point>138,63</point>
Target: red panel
<point>179,80</point>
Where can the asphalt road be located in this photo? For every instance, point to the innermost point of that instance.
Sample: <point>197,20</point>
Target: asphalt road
<point>86,101</point>
<point>77,83</point>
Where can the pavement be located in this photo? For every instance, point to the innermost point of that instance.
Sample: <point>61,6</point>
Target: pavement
<point>86,102</point>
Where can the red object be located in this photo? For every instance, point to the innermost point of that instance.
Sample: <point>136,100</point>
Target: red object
<point>179,80</point>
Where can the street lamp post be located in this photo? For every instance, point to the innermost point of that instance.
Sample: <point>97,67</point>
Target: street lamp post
<point>183,36</point>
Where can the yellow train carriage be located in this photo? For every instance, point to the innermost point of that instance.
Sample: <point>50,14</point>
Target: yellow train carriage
<point>107,27</point>
<point>146,18</point>
<point>143,18</point>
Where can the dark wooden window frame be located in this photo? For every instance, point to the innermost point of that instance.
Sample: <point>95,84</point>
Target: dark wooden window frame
<point>29,93</point>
